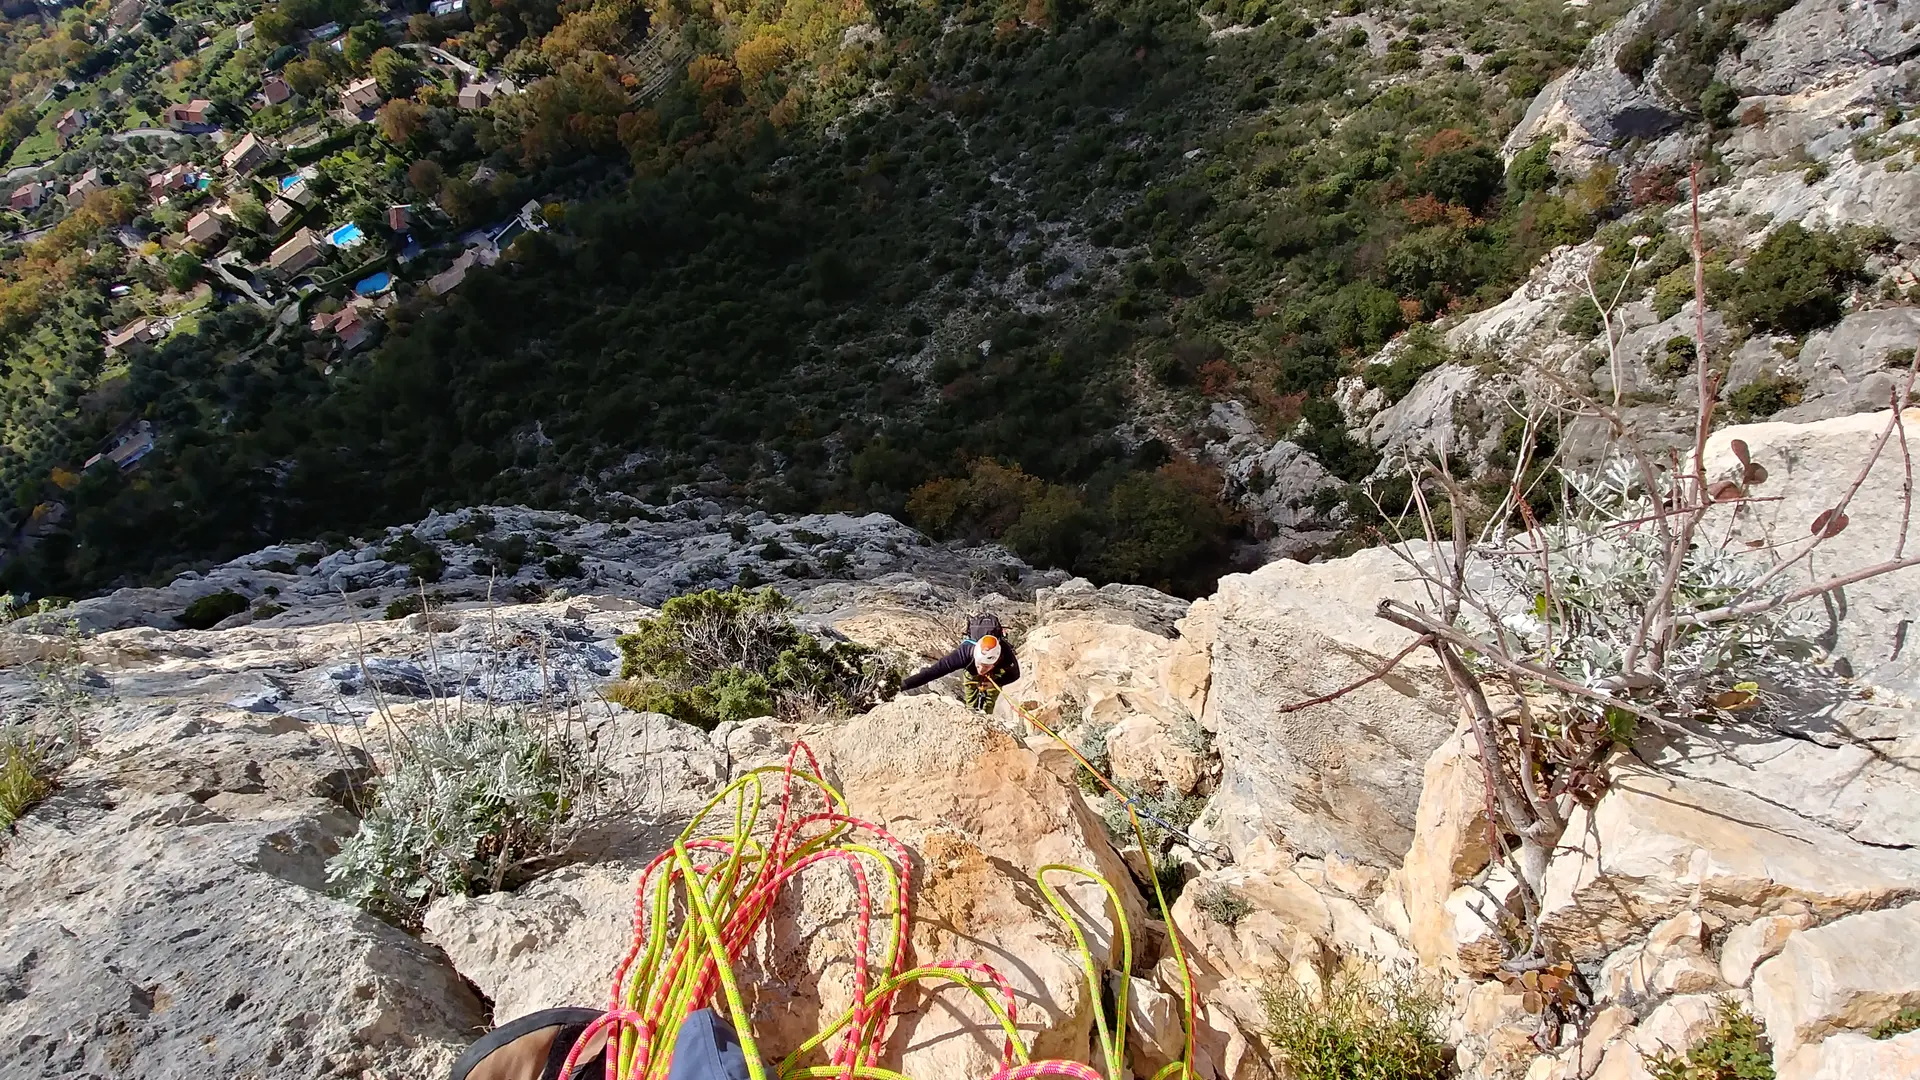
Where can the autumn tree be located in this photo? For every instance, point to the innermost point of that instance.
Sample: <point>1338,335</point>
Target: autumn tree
<point>426,176</point>
<point>401,119</point>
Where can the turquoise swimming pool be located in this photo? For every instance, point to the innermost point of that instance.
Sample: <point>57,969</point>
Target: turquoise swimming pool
<point>345,236</point>
<point>288,181</point>
<point>376,283</point>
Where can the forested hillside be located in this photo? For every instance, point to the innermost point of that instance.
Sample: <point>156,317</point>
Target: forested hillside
<point>980,264</point>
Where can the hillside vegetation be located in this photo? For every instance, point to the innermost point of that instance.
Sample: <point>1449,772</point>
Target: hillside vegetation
<point>979,263</point>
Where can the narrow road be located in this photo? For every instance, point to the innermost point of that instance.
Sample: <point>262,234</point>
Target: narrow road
<point>444,57</point>
<point>150,132</point>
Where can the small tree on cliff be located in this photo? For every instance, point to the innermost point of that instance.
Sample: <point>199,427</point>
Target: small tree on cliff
<point>1637,604</point>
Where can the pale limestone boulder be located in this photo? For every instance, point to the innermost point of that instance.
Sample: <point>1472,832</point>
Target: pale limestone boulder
<point>1133,605</point>
<point>1850,974</point>
<point>1623,1062</point>
<point>1222,1048</point>
<point>1288,927</point>
<point>1610,1023</point>
<point>1449,846</point>
<point>1672,960</point>
<point>1155,1020</point>
<point>1547,1067</point>
<point>1750,944</point>
<point>1849,1056</point>
<point>1478,925</point>
<point>1808,466</point>
<point>552,943</point>
<point>1147,752</point>
<point>164,914</point>
<point>1189,672</point>
<point>1494,1034</point>
<point>1676,1024</point>
<point>1656,845</point>
<point>1342,776</point>
<point>1093,673</point>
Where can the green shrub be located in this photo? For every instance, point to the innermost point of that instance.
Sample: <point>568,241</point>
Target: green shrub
<point>563,565</point>
<point>1165,805</point>
<point>714,656</point>
<point>1764,396</point>
<point>1223,905</point>
<point>478,524</point>
<point>1673,359</point>
<point>470,803</point>
<point>23,776</point>
<point>208,610</point>
<point>1794,281</point>
<point>409,604</point>
<point>1387,1030</point>
<point>1422,351</point>
<point>1717,103</point>
<point>1580,319</point>
<point>1732,1051</point>
<point>424,561</point>
<point>1907,1019</point>
<point>1672,292</point>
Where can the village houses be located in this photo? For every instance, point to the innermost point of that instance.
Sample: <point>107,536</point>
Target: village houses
<point>360,95</point>
<point>476,95</point>
<point>192,114</point>
<point>70,124</point>
<point>88,183</point>
<point>27,196</point>
<point>352,324</point>
<point>301,251</point>
<point>274,90</point>
<point>246,155</point>
<point>175,178</point>
<point>205,227</point>
<point>137,331</point>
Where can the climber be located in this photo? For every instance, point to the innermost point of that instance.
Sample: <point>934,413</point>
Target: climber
<point>987,659</point>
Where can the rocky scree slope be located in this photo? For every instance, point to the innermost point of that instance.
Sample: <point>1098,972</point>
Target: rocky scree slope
<point>165,910</point>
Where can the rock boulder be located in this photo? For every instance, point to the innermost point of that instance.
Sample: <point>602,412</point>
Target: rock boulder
<point>1338,777</point>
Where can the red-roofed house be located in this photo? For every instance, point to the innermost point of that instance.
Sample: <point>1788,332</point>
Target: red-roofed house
<point>192,114</point>
<point>68,125</point>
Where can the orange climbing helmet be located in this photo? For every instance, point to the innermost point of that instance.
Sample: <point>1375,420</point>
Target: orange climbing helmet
<point>986,651</point>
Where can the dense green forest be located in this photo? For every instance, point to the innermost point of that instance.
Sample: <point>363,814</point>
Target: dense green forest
<point>939,271</point>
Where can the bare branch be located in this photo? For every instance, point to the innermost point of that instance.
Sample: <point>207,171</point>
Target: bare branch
<point>1757,607</point>
<point>1420,623</point>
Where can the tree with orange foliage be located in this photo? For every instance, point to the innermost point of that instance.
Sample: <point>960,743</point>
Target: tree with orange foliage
<point>761,56</point>
<point>400,120</point>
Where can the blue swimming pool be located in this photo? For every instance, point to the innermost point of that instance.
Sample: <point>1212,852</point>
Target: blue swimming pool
<point>345,236</point>
<point>288,181</point>
<point>377,283</point>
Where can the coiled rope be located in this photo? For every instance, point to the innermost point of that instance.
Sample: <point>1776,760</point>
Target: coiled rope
<point>698,906</point>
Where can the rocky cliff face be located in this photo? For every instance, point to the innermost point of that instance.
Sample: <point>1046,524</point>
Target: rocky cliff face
<point>166,911</point>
